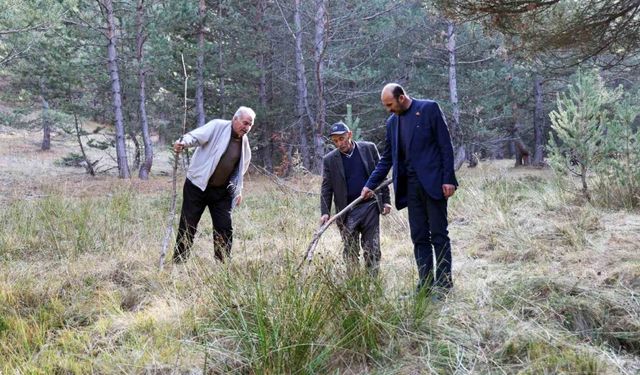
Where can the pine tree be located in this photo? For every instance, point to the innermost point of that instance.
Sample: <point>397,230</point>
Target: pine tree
<point>580,126</point>
<point>619,173</point>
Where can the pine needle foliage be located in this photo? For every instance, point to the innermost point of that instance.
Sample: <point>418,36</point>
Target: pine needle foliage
<point>595,140</point>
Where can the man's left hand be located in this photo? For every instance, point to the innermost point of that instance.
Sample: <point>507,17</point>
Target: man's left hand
<point>238,200</point>
<point>448,190</point>
<point>366,193</point>
<point>386,209</point>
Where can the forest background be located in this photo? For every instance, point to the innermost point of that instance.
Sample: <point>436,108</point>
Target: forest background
<point>301,64</point>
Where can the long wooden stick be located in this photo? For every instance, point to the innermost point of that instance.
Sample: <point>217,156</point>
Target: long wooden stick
<point>316,236</point>
<point>172,211</point>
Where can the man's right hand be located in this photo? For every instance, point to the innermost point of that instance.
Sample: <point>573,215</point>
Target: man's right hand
<point>323,219</point>
<point>366,193</point>
<point>178,147</point>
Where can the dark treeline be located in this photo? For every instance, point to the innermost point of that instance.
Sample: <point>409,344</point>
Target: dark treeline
<point>300,65</point>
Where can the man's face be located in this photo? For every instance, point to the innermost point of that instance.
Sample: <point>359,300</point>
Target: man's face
<point>342,141</point>
<point>242,124</point>
<point>391,104</point>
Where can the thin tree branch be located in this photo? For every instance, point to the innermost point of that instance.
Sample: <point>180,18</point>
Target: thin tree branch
<point>376,15</point>
<point>172,211</point>
<point>42,27</point>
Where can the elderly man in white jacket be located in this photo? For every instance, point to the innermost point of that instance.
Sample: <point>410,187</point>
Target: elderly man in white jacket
<point>214,180</point>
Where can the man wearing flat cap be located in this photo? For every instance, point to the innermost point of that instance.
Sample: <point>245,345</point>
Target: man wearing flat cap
<point>345,172</point>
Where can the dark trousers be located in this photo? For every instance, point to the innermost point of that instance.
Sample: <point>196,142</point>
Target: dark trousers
<point>218,199</point>
<point>428,224</point>
<point>361,227</point>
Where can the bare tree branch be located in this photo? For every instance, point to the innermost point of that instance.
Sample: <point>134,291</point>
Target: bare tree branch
<point>174,194</point>
<point>43,27</point>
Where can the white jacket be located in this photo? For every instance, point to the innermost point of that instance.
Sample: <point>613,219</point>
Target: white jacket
<point>212,140</point>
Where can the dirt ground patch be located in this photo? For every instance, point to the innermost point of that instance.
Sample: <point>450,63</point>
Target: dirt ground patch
<point>26,172</point>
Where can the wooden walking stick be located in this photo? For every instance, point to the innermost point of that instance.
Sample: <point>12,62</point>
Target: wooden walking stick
<point>316,236</point>
<point>172,213</point>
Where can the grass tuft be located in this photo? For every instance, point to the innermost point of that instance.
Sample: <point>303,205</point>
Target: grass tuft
<point>543,284</point>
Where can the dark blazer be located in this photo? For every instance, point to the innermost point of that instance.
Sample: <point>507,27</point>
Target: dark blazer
<point>430,150</point>
<point>334,183</point>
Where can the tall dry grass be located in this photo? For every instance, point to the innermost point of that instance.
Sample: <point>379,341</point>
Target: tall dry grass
<point>545,283</point>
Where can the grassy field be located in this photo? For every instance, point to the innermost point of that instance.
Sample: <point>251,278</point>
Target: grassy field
<point>545,283</point>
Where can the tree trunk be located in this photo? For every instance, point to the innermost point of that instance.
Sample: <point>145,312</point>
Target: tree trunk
<point>266,128</point>
<point>523,156</point>
<point>46,121</point>
<point>454,125</point>
<point>267,146</point>
<point>320,45</point>
<point>538,124</point>
<point>583,179</point>
<point>459,157</point>
<point>121,152</point>
<point>89,165</point>
<point>202,12</point>
<point>136,149</point>
<point>145,168</point>
<point>301,86</point>
<point>511,149</point>
<point>221,88</point>
<point>472,158</point>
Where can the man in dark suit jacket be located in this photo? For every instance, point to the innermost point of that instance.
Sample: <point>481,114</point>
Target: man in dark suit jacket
<point>345,171</point>
<point>418,148</point>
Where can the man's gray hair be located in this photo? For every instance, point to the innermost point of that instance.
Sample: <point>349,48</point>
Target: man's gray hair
<point>245,111</point>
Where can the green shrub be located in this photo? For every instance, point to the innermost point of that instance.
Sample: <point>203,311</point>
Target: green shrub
<point>618,176</point>
<point>72,159</point>
<point>594,140</point>
<point>580,125</point>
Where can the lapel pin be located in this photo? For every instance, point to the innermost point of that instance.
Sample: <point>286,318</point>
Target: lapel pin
<point>417,113</point>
